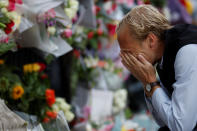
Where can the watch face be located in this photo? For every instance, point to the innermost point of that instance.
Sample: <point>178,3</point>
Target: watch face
<point>148,87</point>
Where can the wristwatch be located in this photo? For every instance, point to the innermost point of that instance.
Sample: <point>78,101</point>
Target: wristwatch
<point>151,85</point>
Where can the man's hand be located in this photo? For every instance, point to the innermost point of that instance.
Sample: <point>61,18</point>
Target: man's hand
<point>139,67</point>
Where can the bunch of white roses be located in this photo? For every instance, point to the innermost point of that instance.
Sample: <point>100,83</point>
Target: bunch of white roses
<point>120,99</point>
<point>62,105</point>
<point>71,8</point>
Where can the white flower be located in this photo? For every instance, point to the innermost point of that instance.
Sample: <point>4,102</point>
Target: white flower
<point>74,4</point>
<point>12,15</point>
<point>115,109</point>
<point>69,12</point>
<point>79,30</point>
<point>120,97</point>
<point>69,116</point>
<point>51,30</point>
<point>108,5</point>
<point>55,108</point>
<point>60,104</point>
<point>65,106</point>
<point>4,3</point>
<point>88,127</point>
<point>4,10</point>
<point>91,62</point>
<point>60,100</point>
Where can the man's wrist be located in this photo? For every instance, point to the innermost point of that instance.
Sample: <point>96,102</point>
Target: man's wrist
<point>149,94</point>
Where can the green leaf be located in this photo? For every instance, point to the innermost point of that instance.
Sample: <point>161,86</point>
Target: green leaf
<point>4,19</point>
<point>4,47</point>
<point>49,58</point>
<point>2,26</point>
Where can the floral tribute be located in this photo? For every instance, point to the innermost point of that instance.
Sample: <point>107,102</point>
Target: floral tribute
<point>32,88</point>
<point>9,22</point>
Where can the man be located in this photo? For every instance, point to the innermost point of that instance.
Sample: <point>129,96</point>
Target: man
<point>146,39</point>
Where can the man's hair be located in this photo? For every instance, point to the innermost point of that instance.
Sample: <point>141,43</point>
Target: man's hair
<point>145,19</point>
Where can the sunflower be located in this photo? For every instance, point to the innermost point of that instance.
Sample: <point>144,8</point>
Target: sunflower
<point>17,92</point>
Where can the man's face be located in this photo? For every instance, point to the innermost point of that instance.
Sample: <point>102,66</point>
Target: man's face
<point>129,44</point>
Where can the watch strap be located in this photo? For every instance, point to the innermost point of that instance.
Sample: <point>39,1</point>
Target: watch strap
<point>156,83</point>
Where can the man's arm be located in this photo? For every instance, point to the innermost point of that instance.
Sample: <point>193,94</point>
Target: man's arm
<point>179,112</point>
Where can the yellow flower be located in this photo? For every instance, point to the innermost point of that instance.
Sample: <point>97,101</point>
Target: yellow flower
<point>28,68</point>
<point>17,92</point>
<point>1,62</point>
<point>36,67</point>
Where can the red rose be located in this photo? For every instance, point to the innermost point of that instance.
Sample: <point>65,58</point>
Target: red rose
<point>42,67</point>
<point>76,53</point>
<point>46,120</point>
<point>51,114</point>
<point>90,35</point>
<point>111,29</point>
<point>50,97</point>
<point>8,30</point>
<point>10,25</point>
<point>97,9</point>
<point>44,76</point>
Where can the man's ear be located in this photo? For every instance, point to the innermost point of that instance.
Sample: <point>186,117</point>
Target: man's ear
<point>152,40</point>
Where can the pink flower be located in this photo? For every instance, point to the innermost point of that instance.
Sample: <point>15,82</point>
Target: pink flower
<point>121,1</point>
<point>50,13</point>
<point>68,33</point>
<point>86,112</point>
<point>6,39</point>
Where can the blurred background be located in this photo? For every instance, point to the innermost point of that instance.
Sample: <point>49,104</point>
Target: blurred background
<point>63,55</point>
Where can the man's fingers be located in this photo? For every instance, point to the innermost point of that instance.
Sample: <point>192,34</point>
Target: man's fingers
<point>135,60</point>
<point>127,66</point>
<point>130,60</point>
<point>142,59</point>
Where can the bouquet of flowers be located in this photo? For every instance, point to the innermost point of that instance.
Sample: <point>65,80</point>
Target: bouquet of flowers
<point>9,22</point>
<point>24,92</point>
<point>62,105</point>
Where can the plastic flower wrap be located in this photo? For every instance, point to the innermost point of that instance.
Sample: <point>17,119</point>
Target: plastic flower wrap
<point>120,97</point>
<point>62,105</point>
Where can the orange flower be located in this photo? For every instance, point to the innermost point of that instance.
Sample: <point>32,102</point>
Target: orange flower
<point>51,114</point>
<point>1,62</point>
<point>50,97</point>
<point>17,92</point>
<point>101,64</point>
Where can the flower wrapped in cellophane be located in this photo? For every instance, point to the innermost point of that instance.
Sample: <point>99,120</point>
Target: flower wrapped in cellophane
<point>9,22</point>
